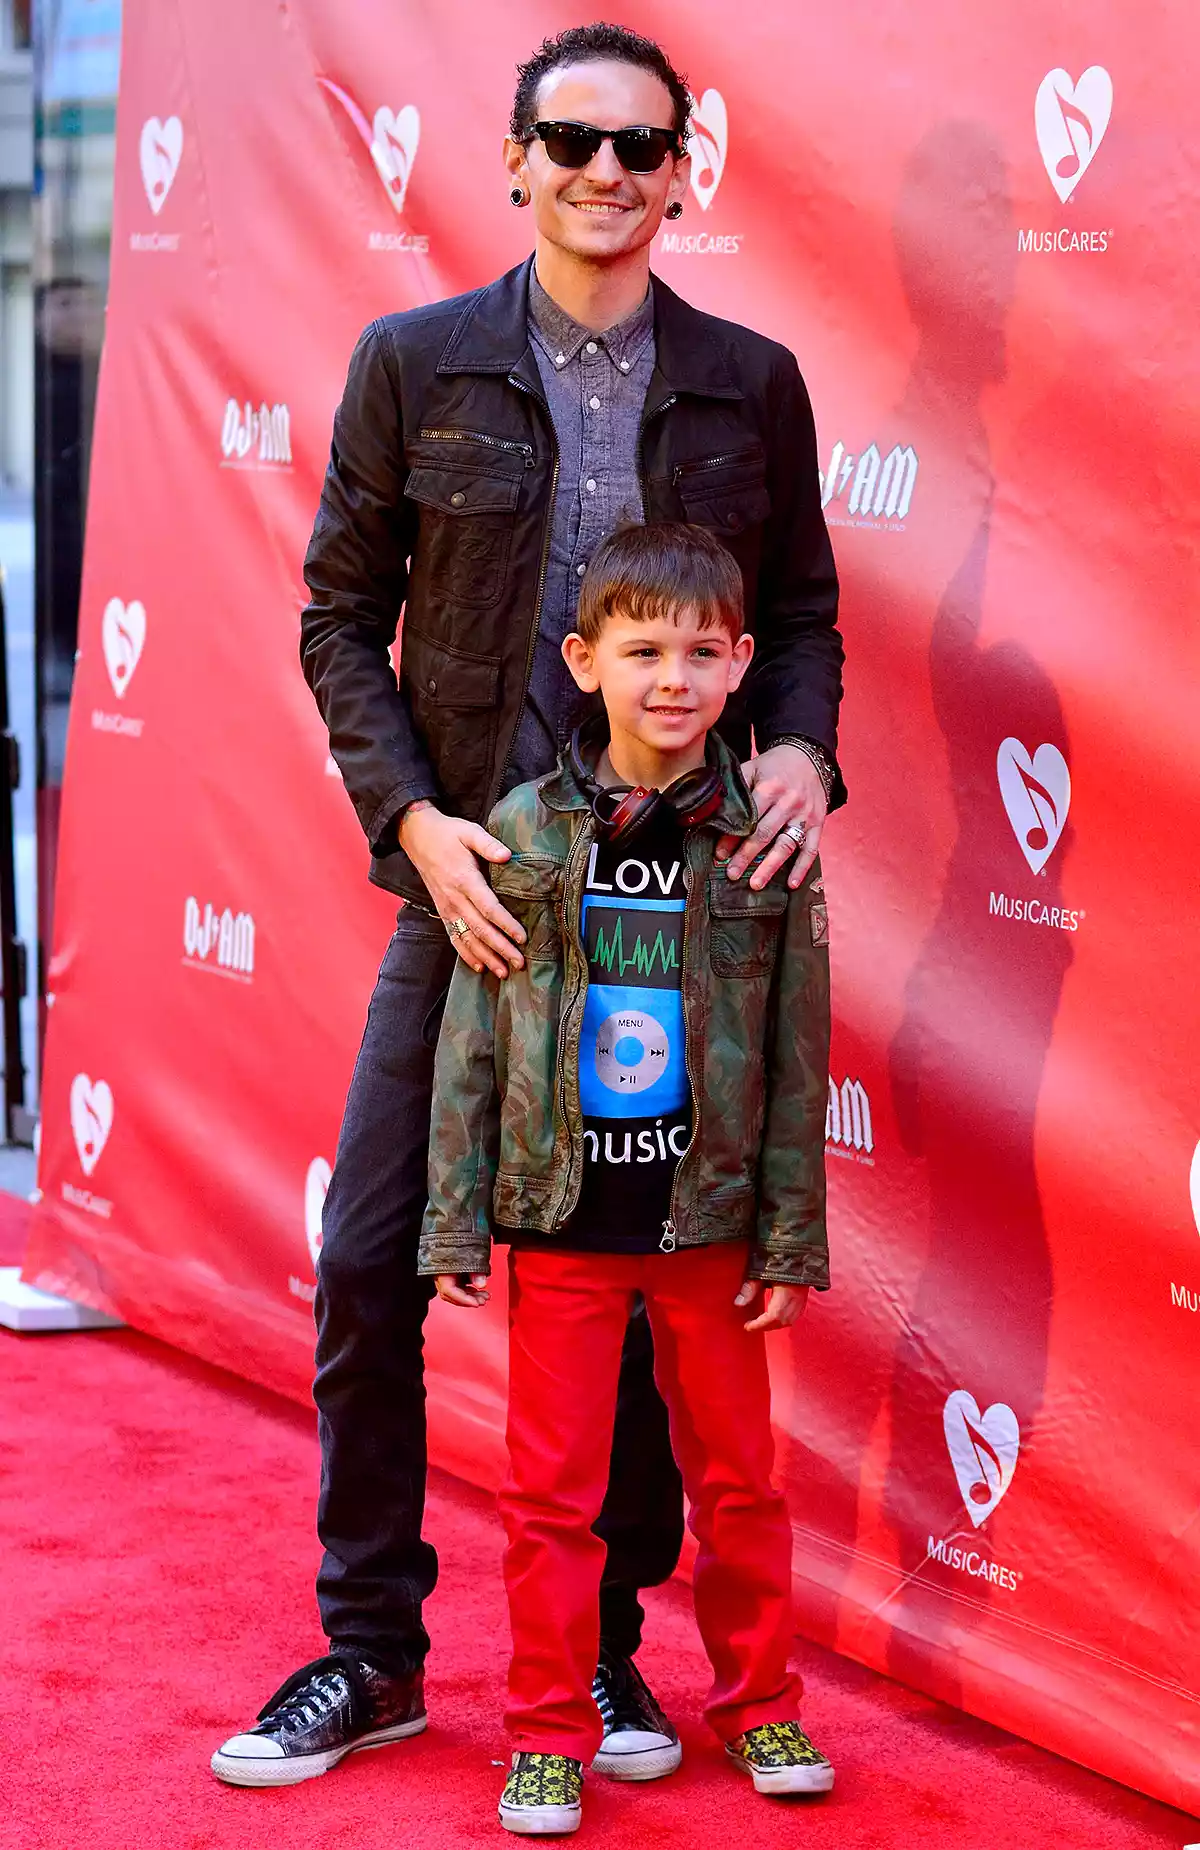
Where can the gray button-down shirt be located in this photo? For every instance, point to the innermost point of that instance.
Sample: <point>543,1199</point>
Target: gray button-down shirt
<point>595,386</point>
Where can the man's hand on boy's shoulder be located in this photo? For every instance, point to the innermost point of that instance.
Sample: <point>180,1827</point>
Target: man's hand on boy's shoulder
<point>466,1288</point>
<point>445,850</point>
<point>785,1304</point>
<point>788,792</point>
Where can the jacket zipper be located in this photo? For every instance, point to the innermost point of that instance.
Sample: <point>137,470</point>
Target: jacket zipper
<point>693,1078</point>
<point>667,1243</point>
<point>571,1015</point>
<point>711,462</point>
<point>564,1207</point>
<point>647,416</point>
<point>541,583</point>
<point>479,436</point>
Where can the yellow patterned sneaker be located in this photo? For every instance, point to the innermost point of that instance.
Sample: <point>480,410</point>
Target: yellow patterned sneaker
<point>780,1758</point>
<point>541,1795</point>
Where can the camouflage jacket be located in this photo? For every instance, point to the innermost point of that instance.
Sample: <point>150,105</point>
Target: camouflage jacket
<point>506,1145</point>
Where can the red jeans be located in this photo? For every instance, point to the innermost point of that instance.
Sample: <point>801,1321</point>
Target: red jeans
<point>567,1317</point>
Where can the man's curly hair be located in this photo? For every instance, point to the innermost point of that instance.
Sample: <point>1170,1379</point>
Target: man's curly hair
<point>588,45</point>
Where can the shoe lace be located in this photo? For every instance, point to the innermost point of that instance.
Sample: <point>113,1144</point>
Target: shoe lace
<point>602,1696</point>
<point>314,1691</point>
<point>621,1692</point>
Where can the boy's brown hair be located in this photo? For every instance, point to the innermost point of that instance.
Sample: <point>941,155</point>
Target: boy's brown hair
<point>655,571</point>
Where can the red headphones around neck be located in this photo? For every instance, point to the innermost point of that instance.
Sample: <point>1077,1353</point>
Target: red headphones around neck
<point>625,810</point>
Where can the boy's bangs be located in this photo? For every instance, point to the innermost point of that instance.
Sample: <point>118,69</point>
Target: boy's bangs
<point>651,604</point>
<point>650,573</point>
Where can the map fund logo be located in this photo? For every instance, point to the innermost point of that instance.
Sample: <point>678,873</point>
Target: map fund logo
<point>848,1130</point>
<point>230,937</point>
<point>870,490</point>
<point>256,439</point>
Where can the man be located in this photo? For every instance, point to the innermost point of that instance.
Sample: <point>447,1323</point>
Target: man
<point>483,448</point>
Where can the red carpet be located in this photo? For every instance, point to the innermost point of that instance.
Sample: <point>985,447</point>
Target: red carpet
<point>157,1554</point>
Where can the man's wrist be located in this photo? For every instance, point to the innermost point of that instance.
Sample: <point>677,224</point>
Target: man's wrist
<point>410,809</point>
<point>817,756</point>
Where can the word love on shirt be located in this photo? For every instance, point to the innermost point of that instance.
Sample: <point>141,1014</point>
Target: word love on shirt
<point>636,877</point>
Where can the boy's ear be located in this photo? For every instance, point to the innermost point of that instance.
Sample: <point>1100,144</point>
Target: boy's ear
<point>578,657</point>
<point>739,661</point>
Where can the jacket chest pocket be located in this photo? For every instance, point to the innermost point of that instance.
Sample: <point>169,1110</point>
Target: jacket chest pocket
<point>467,518</point>
<point>744,926</point>
<point>530,886</point>
<point>727,493</point>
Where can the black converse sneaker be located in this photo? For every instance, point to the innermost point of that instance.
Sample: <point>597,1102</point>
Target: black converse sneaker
<point>779,1757</point>
<point>639,1742</point>
<point>327,1710</point>
<point>541,1795</point>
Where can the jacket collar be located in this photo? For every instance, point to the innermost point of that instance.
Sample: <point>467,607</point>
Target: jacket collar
<point>492,336</point>
<point>562,790</point>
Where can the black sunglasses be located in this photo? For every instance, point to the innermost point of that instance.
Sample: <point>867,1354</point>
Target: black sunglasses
<point>573,144</point>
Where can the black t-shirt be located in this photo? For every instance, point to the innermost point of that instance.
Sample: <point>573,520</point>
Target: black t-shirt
<point>633,1080</point>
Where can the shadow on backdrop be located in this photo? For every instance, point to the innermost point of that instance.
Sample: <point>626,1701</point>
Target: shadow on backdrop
<point>966,1064</point>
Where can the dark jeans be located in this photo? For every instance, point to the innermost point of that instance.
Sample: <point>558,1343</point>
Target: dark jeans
<point>370,1387</point>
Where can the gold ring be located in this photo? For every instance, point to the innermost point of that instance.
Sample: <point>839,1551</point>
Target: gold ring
<point>458,928</point>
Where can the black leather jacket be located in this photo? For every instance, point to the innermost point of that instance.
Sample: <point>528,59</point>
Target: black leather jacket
<point>438,497</point>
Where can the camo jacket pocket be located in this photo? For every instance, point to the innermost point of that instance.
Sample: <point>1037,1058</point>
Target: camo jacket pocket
<point>744,926</point>
<point>530,887</point>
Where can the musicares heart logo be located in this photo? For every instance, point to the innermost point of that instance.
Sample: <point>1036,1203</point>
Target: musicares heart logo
<point>1070,120</point>
<point>123,633</point>
<point>983,1449</point>
<point>1037,796</point>
<point>392,139</point>
<point>91,1119</point>
<point>161,151</point>
<point>708,144</point>
<point>394,149</point>
<point>1194,1184</point>
<point>316,1187</point>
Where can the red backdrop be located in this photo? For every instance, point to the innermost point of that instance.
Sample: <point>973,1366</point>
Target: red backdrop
<point>978,235</point>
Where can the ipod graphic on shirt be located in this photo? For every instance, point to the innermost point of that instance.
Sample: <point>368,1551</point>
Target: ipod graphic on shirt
<point>631,1056</point>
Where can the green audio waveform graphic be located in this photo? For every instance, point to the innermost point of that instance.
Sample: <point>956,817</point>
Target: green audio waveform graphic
<point>610,952</point>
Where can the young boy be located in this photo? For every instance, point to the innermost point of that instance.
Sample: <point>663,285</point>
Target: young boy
<point>641,1108</point>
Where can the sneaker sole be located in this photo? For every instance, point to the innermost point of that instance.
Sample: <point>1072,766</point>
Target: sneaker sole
<point>236,1771</point>
<point>650,1763</point>
<point>774,1782</point>
<point>540,1820</point>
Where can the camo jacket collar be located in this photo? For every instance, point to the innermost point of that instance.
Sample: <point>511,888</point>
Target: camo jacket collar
<point>562,790</point>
